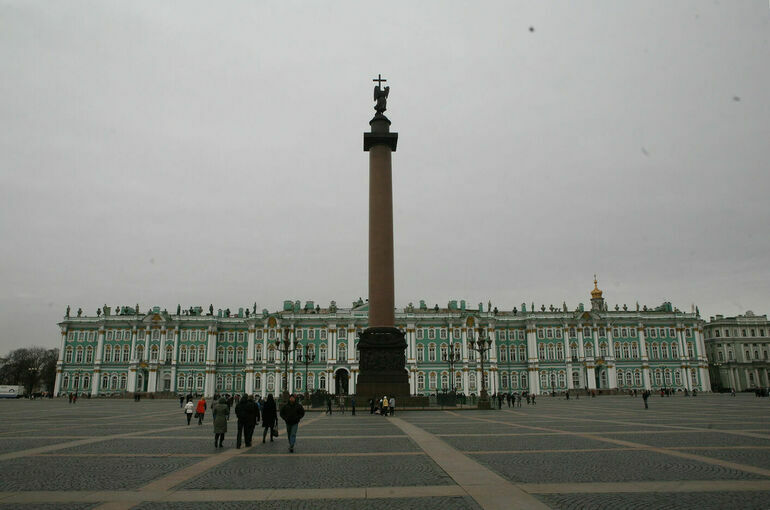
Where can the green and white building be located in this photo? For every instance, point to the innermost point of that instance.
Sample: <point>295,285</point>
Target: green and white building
<point>535,350</point>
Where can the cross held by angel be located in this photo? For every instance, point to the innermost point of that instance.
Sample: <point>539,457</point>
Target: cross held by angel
<point>380,95</point>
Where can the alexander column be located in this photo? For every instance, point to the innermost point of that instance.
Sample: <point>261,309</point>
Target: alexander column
<point>382,345</point>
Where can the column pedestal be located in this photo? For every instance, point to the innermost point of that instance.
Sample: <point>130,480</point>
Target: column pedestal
<point>382,365</point>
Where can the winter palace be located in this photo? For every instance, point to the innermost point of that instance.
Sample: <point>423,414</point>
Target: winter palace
<point>538,350</point>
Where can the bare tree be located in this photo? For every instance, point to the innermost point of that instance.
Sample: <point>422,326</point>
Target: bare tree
<point>30,367</point>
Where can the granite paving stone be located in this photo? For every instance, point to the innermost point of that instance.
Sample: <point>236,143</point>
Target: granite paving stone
<point>424,503</point>
<point>607,466</point>
<point>295,472</point>
<point>550,442</point>
<point>751,457</point>
<point>749,500</point>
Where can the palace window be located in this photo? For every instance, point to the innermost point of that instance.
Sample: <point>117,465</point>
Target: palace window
<point>154,353</point>
<point>637,378</point>
<point>180,382</point>
<point>342,333</point>
<point>687,332</point>
<point>677,378</point>
<point>239,355</point>
<point>258,353</point>
<point>458,351</point>
<point>540,333</point>
<point>322,334</point>
<point>512,352</point>
<point>603,349</point>
<point>472,381</point>
<point>586,332</point>
<point>432,352</point>
<point>671,333</point>
<point>549,333</point>
<point>503,353</point>
<point>444,352</point>
<point>298,382</point>
<point>560,351</point>
<point>270,383</point>
<point>432,380</point>
<point>664,350</point>
<point>229,382</point>
<point>653,333</point>
<point>667,377</point>
<point>621,382</point>
<point>563,379</point>
<point>655,351</point>
<point>589,350</point>
<point>629,378</point>
<point>169,353</point>
<point>634,350</point>
<point>544,380</point>
<point>420,334</point>
<point>458,334</point>
<point>322,353</point>
<point>109,335</point>
<point>615,332</point>
<point>522,353</point>
<point>79,355</point>
<point>674,350</point>
<point>108,352</point>
<point>551,352</point>
<point>105,381</point>
<point>420,381</point>
<point>420,353</point>
<point>632,332</point>
<point>220,355</point>
<point>259,334</point>
<point>201,354</point>
<point>573,350</point>
<point>271,334</point>
<point>602,332</point>
<point>442,333</point>
<point>524,380</point>
<point>541,351</point>
<point>240,336</point>
<point>558,332</point>
<point>183,354</point>
<point>431,334</point>
<point>311,334</point>
<point>257,382</point>
<point>271,353</point>
<point>690,351</point>
<point>342,352</point>
<point>504,381</point>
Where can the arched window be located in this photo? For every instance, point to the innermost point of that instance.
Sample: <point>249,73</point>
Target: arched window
<point>560,351</point>
<point>432,380</point>
<point>322,353</point>
<point>637,377</point>
<point>86,381</point>
<point>658,378</point>
<point>169,353</point>
<point>621,381</point>
<point>183,354</point>
<point>629,378</point>
<point>690,351</point>
<point>229,380</point>
<point>230,355</point>
<point>114,382</point>
<point>541,351</point>
<point>458,380</point>
<point>298,382</point>
<point>190,381</point>
<point>239,380</point>
<point>603,349</point>
<point>140,352</point>
<point>201,354</point>
<point>108,353</point>
<point>667,377</point>
<point>342,352</point>
<point>154,353</point>
<point>617,351</point>
<point>573,350</point>
<point>589,349</point>
<point>180,382</point>
<point>551,352</point>
<point>271,334</point>
<point>544,382</point>
<point>514,381</point>
<point>523,380</point>
<point>270,383</point>
<point>220,354</point>
<point>257,382</point>
<point>420,381</point>
<point>678,377</point>
<point>420,353</point>
<point>311,380</point>
<point>126,353</point>
<point>504,381</point>
<point>322,382</point>
<point>674,350</point>
<point>634,350</point>
<point>522,353</point>
<point>122,382</point>
<point>239,355</point>
<point>432,352</point>
<point>562,379</point>
<point>472,381</point>
<point>79,355</point>
<point>105,381</point>
<point>655,351</point>
<point>445,352</point>
<point>576,379</point>
<point>66,380</point>
<point>199,381</point>
<point>445,381</point>
<point>220,383</point>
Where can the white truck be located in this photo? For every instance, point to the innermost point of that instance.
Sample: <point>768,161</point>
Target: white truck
<point>7,391</point>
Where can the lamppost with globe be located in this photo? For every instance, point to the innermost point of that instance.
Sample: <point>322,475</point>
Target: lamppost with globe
<point>285,348</point>
<point>481,346</point>
<point>307,356</point>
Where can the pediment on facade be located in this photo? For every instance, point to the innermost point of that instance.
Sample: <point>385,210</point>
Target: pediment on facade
<point>586,316</point>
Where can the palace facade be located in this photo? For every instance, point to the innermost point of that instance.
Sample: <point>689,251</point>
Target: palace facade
<point>550,349</point>
<point>738,349</point>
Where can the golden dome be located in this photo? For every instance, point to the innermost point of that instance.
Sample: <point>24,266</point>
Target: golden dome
<point>596,293</point>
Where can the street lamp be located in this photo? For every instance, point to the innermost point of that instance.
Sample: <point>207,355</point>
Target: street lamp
<point>481,346</point>
<point>452,358</point>
<point>285,348</point>
<point>307,355</point>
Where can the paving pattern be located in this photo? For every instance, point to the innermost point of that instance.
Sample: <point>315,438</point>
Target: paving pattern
<point>606,452</point>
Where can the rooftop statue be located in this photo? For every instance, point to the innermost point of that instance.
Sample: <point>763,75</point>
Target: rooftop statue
<point>80,312</point>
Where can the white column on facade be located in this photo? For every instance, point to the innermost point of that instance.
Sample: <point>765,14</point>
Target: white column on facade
<point>96,375</point>
<point>249,369</point>
<point>532,360</point>
<point>612,369</point>
<point>466,381</point>
<point>645,360</point>
<point>147,336</point>
<point>567,356</point>
<point>174,356</point>
<point>60,362</point>
<point>705,378</point>
<point>211,346</point>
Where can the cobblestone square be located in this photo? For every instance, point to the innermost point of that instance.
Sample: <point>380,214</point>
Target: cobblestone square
<point>712,451</point>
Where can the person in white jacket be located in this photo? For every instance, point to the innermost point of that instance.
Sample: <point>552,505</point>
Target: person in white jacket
<point>189,408</point>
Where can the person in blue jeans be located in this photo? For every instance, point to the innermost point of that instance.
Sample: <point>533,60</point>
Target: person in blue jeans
<point>291,413</point>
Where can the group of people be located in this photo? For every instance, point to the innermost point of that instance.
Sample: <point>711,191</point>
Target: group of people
<point>386,406</point>
<point>249,412</point>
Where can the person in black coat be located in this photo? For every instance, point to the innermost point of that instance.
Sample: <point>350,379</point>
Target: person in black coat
<point>269,417</point>
<point>247,412</point>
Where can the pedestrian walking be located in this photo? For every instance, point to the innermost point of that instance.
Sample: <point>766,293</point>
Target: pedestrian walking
<point>533,399</point>
<point>248,415</point>
<point>181,401</point>
<point>269,418</point>
<point>392,405</point>
<point>291,413</point>
<point>189,408</point>
<point>200,410</point>
<point>385,405</point>
<point>371,405</point>
<point>221,413</point>
<point>329,405</point>
<point>645,396</point>
<point>353,405</point>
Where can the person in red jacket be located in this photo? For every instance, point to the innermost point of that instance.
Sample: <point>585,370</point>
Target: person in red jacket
<point>200,410</point>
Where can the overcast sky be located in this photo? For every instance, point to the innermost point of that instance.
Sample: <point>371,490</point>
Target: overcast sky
<point>209,152</point>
